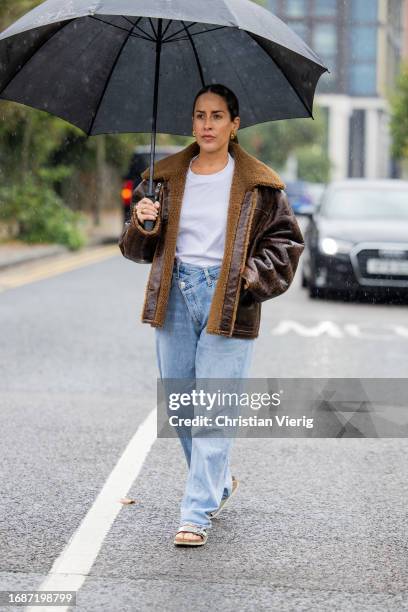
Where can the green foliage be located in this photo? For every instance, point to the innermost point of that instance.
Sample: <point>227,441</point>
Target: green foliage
<point>313,165</point>
<point>28,139</point>
<point>54,174</point>
<point>10,10</point>
<point>40,215</point>
<point>273,142</point>
<point>399,115</point>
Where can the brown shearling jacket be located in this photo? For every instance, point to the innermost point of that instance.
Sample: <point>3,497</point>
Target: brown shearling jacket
<point>263,242</point>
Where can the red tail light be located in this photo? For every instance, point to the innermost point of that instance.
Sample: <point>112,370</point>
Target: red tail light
<point>126,193</point>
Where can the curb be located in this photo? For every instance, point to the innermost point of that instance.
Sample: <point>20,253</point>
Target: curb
<point>42,252</point>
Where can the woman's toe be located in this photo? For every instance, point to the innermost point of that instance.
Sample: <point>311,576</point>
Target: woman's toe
<point>192,536</point>
<point>188,536</point>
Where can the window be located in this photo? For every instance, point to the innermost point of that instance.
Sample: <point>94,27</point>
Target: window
<point>325,8</point>
<point>296,8</point>
<point>325,39</point>
<point>363,79</point>
<point>300,28</point>
<point>363,43</point>
<point>361,10</point>
<point>366,203</point>
<point>363,56</point>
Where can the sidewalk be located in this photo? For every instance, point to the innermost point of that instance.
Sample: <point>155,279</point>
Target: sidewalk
<point>15,252</point>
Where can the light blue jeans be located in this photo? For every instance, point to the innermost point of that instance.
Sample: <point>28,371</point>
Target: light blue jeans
<point>185,350</point>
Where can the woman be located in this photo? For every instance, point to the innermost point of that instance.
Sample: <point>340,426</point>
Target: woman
<point>224,240</point>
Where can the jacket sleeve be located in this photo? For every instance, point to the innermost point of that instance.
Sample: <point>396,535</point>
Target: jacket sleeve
<point>135,242</point>
<point>271,266</point>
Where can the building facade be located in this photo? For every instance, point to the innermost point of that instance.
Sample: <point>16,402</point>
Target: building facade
<point>362,44</point>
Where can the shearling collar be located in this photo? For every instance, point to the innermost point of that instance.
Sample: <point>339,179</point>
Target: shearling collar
<point>249,171</point>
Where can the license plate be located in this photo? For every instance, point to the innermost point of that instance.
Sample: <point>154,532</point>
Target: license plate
<point>387,266</point>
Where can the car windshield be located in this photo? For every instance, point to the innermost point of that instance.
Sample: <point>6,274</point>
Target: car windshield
<point>366,204</point>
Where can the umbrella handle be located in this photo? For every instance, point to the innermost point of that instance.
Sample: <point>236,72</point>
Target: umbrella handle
<point>148,224</point>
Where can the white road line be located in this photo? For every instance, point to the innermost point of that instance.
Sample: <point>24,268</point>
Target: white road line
<point>361,331</point>
<point>401,330</point>
<point>70,569</point>
<point>309,331</point>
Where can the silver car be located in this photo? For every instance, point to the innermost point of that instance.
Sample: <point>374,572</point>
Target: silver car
<point>357,239</point>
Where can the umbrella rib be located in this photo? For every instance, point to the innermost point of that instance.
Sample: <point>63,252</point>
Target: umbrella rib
<point>169,38</point>
<point>167,27</point>
<point>128,20</point>
<point>152,26</point>
<point>194,34</point>
<point>113,25</point>
<point>294,88</point>
<point>150,38</point>
<point>133,24</point>
<point>110,75</point>
<point>200,70</point>
<point>34,52</point>
<point>138,27</point>
<point>238,75</point>
<point>285,75</point>
<point>210,30</point>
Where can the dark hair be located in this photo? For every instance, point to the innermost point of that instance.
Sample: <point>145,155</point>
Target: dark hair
<point>228,95</point>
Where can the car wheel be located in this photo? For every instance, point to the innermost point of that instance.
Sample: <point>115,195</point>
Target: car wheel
<point>314,292</point>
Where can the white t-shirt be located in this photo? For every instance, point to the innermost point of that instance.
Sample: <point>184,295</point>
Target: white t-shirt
<point>203,216</point>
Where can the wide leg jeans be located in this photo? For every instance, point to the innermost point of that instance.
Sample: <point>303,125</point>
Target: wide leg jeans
<point>185,350</point>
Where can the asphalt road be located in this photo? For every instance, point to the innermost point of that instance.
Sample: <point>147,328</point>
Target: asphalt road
<point>317,524</point>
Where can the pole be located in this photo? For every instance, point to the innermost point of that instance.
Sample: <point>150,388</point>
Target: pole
<point>148,225</point>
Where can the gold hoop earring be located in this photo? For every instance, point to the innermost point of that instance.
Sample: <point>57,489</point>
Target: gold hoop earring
<point>232,135</point>
<point>194,133</point>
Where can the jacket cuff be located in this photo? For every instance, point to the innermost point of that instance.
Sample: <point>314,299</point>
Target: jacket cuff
<point>139,226</point>
<point>248,277</point>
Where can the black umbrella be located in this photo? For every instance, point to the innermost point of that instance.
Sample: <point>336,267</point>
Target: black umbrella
<point>115,66</point>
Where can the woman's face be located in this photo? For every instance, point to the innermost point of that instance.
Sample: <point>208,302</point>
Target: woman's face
<point>212,122</point>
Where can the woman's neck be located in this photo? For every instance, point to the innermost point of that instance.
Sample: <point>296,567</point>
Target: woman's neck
<point>210,162</point>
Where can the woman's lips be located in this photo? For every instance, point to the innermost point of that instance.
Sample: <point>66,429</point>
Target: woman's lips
<point>208,137</point>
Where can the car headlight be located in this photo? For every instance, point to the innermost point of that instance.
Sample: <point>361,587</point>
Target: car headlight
<point>332,246</point>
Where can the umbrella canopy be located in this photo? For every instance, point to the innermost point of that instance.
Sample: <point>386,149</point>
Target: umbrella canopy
<point>112,66</point>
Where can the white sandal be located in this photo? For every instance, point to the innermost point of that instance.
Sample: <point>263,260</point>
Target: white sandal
<point>189,528</point>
